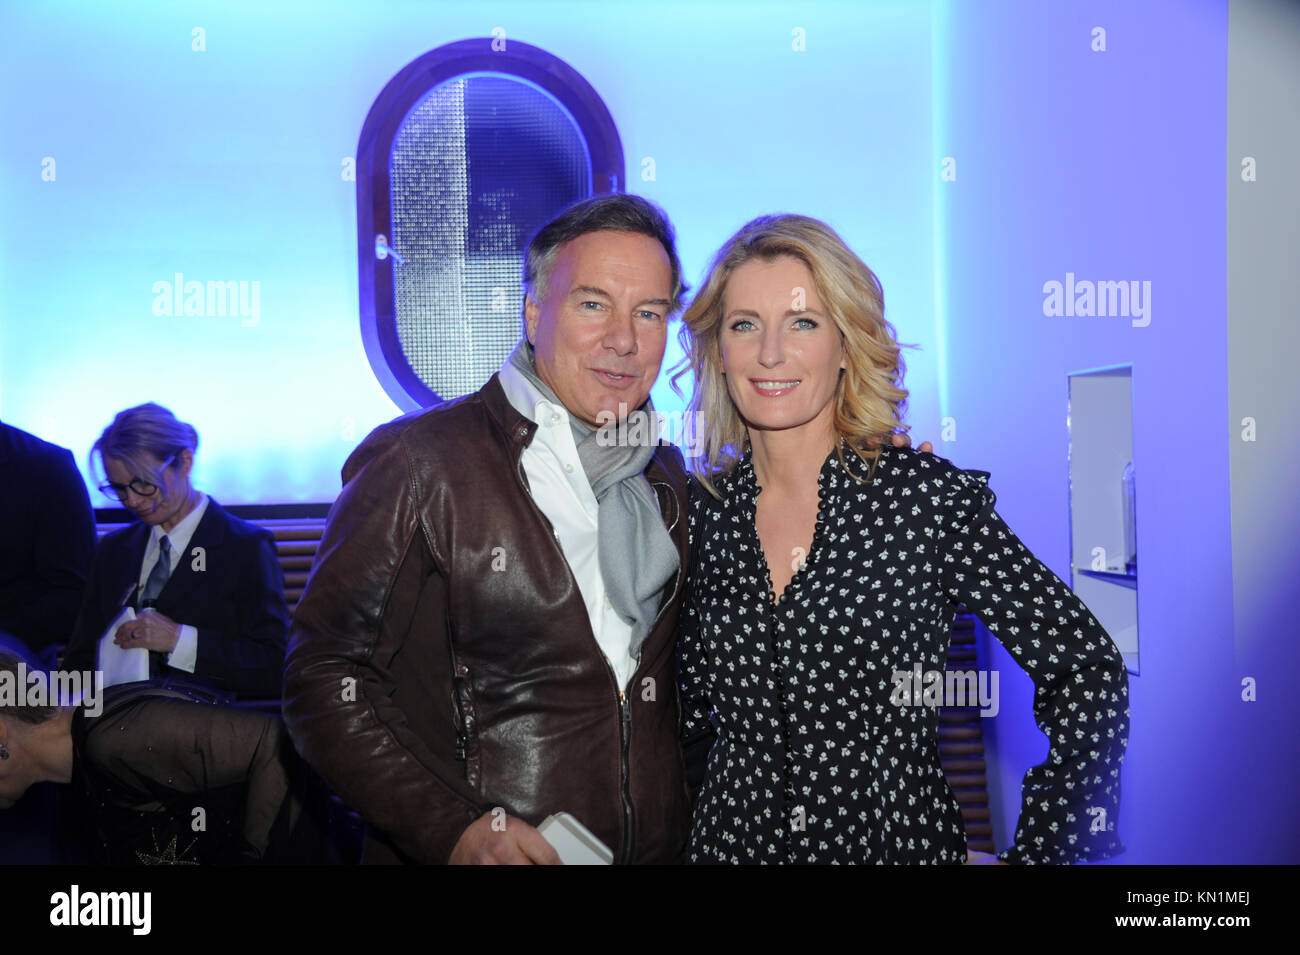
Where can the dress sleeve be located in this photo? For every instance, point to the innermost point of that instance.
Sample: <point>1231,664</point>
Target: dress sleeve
<point>1069,802</point>
<point>697,731</point>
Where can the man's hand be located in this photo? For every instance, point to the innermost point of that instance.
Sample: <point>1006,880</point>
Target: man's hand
<point>517,843</point>
<point>981,858</point>
<point>901,440</point>
<point>150,630</point>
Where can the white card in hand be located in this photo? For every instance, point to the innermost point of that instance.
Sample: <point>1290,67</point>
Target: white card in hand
<point>575,843</point>
<point>122,665</point>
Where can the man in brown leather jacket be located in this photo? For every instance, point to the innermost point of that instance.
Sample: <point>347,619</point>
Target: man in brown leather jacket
<point>487,635</point>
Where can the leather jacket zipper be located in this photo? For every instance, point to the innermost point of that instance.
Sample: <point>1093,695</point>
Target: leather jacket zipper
<point>624,711</point>
<point>625,734</point>
<point>466,743</point>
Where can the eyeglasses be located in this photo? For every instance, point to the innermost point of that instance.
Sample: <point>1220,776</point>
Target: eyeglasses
<point>143,488</point>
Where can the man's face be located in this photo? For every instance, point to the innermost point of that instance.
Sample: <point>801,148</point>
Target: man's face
<point>600,331</point>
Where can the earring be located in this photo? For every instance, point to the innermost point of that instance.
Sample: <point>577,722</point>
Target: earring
<point>4,753</point>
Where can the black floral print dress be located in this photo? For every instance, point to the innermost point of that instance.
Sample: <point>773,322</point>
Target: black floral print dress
<point>814,761</point>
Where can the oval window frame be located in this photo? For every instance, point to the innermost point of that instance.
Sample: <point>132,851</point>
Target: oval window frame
<point>374,189</point>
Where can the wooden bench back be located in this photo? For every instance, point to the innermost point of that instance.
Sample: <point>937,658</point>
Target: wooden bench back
<point>961,734</point>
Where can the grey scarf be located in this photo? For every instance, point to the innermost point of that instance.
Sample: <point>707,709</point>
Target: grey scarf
<point>637,555</point>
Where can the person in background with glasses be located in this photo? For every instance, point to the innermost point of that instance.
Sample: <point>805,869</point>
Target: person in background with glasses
<point>207,588</point>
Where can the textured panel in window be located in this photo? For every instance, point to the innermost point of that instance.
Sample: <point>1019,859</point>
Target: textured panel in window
<point>479,163</point>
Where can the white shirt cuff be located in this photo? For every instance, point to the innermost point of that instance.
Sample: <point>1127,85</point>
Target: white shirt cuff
<point>186,653</point>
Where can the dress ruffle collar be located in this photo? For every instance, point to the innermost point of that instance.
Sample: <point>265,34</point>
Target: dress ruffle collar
<point>741,484</point>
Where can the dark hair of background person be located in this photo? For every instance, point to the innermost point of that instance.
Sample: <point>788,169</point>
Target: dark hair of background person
<point>615,213</point>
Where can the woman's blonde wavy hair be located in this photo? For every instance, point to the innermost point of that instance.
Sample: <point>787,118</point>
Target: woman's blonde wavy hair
<point>869,399</point>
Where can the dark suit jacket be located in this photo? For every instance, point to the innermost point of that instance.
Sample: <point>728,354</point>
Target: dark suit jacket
<point>47,532</point>
<point>236,601</point>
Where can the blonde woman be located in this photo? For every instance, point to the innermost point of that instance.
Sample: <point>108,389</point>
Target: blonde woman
<point>207,587</point>
<point>827,564</point>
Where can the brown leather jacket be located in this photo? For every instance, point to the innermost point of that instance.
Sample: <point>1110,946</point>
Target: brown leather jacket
<point>442,663</point>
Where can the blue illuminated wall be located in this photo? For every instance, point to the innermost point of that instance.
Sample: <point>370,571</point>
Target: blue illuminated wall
<point>1110,165</point>
<point>227,165</point>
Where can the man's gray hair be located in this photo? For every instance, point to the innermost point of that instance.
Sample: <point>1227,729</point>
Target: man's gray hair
<point>617,213</point>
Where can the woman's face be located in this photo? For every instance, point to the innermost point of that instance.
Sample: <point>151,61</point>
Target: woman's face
<point>168,498</point>
<point>781,351</point>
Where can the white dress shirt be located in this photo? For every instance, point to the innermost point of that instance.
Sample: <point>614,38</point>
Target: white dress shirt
<point>186,652</point>
<point>560,488</point>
